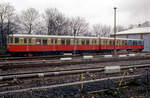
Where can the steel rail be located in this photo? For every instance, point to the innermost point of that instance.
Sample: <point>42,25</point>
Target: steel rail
<point>41,63</point>
<point>66,84</point>
<point>67,72</point>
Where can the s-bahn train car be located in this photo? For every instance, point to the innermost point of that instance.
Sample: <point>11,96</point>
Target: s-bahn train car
<point>23,44</point>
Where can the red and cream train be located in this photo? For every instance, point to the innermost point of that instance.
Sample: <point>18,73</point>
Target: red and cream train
<point>23,44</point>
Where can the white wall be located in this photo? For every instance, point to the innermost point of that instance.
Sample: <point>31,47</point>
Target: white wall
<point>146,38</point>
<point>134,36</point>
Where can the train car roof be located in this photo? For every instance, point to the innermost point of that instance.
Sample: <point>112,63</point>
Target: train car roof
<point>54,36</point>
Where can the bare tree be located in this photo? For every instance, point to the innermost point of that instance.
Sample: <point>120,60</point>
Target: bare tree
<point>101,30</point>
<point>131,26</point>
<point>145,24</point>
<point>6,17</point>
<point>56,22</point>
<point>28,19</point>
<point>120,28</point>
<point>40,28</point>
<point>78,26</point>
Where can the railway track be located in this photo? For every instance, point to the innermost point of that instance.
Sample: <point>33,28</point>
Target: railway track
<point>10,58</point>
<point>58,62</point>
<point>32,58</point>
<point>64,72</point>
<point>67,84</point>
<point>12,88</point>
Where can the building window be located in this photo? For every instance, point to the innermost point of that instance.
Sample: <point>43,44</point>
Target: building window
<point>141,36</point>
<point>16,40</point>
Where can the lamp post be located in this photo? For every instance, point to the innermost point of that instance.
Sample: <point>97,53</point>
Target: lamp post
<point>115,51</point>
<point>74,42</point>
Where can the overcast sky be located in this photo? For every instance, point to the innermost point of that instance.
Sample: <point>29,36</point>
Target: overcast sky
<point>95,11</point>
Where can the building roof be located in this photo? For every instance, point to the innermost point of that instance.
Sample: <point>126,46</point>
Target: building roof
<point>143,30</point>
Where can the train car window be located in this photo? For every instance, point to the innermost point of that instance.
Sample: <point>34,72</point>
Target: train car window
<point>93,42</point>
<point>55,41</point>
<point>67,42</point>
<point>16,40</point>
<point>130,42</point>
<point>52,41</point>
<point>44,41</point>
<point>62,42</point>
<point>87,42</point>
<point>138,42</point>
<point>142,42</point>
<point>21,40</point>
<point>77,41</point>
<point>113,42</point>
<point>134,42</point>
<point>10,40</point>
<point>118,42</point>
<point>25,40</point>
<point>38,41</point>
<point>104,42</point>
<point>29,40</point>
<point>83,42</point>
<point>110,42</point>
<point>125,42</point>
